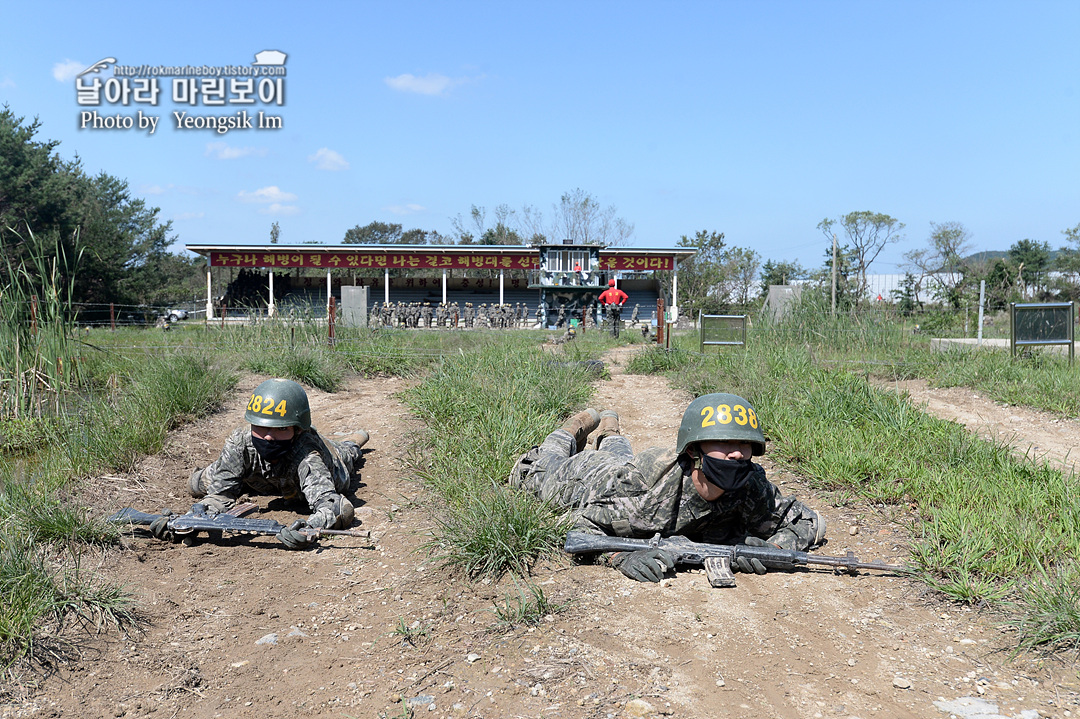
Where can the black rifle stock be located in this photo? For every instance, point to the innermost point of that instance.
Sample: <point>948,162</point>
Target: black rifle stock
<point>717,558</point>
<point>197,520</point>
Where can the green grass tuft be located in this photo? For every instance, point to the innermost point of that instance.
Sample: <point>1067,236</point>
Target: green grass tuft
<point>526,608</point>
<point>1048,612</point>
<point>314,367</point>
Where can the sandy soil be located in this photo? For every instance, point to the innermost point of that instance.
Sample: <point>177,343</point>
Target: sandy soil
<point>369,632</point>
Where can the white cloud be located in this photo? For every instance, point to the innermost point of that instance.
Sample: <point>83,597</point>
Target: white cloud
<point>327,159</point>
<point>224,151</point>
<point>430,84</point>
<point>67,70</point>
<point>6,82</point>
<point>151,190</point>
<point>279,209</point>
<point>409,209</point>
<point>270,193</point>
<point>189,216</point>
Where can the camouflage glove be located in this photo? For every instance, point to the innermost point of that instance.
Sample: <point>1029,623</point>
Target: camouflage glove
<point>742,564</point>
<point>338,514</point>
<point>293,538</point>
<point>160,526</point>
<point>321,519</point>
<point>644,565</point>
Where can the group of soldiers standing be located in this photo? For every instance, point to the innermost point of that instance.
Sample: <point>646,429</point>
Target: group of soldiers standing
<point>452,315</point>
<point>449,315</point>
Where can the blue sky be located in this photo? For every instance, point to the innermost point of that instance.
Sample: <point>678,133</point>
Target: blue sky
<point>756,119</point>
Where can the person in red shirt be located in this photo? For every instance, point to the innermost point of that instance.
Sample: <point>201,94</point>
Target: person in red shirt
<point>613,299</point>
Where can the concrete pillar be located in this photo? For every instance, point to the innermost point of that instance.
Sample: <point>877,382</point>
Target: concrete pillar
<point>329,292</point>
<point>675,294</point>
<point>209,294</point>
<point>270,306</point>
<point>502,275</point>
<point>444,287</point>
<point>386,286</point>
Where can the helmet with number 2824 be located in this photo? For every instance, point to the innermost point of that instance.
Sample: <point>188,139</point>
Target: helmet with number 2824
<point>721,417</point>
<point>279,403</point>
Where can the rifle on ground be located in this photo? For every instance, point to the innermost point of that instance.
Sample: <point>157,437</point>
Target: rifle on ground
<point>717,558</point>
<point>187,526</point>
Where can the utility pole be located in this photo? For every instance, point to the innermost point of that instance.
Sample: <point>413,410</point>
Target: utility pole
<point>834,274</point>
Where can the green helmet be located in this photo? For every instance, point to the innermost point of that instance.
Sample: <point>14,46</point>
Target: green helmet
<point>721,417</point>
<point>279,403</point>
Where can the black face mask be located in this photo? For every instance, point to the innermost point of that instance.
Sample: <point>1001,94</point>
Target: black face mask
<point>730,475</point>
<point>271,450</point>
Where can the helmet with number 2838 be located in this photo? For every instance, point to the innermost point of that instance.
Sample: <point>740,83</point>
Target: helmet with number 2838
<point>721,417</point>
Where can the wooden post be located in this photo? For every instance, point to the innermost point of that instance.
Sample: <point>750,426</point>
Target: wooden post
<point>112,316</point>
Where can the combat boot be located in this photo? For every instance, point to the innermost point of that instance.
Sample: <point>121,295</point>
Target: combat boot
<point>359,438</point>
<point>197,486</point>
<point>353,444</point>
<point>581,425</point>
<point>609,425</point>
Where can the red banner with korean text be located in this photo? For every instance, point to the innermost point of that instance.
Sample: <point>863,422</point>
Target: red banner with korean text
<point>636,263</point>
<point>380,260</point>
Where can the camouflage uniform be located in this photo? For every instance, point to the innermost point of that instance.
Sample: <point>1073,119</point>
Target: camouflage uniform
<point>320,470</point>
<point>615,492</point>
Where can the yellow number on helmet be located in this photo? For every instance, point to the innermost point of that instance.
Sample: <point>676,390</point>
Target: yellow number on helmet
<point>255,403</point>
<point>753,417</point>
<point>707,413</point>
<point>723,414</point>
<point>740,414</point>
<point>280,409</point>
<point>268,408</point>
<point>250,401</point>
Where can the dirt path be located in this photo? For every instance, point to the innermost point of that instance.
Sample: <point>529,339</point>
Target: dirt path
<point>1040,435</point>
<point>374,632</point>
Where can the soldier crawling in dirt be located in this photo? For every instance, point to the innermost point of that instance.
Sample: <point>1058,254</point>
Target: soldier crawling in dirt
<point>707,490</point>
<point>279,452</point>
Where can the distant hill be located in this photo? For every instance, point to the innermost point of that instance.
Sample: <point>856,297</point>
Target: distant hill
<point>986,255</point>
